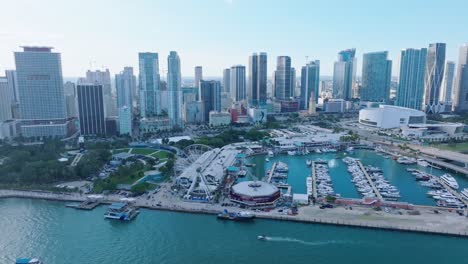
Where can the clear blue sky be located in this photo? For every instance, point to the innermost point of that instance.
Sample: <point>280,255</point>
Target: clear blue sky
<point>220,33</point>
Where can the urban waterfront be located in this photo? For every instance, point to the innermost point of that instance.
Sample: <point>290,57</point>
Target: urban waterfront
<point>57,234</point>
<point>396,173</point>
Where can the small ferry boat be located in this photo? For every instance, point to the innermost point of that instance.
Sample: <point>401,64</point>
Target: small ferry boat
<point>450,181</point>
<point>28,261</point>
<point>240,216</point>
<point>121,211</point>
<point>308,162</point>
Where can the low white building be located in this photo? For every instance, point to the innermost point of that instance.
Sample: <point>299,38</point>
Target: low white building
<point>334,106</point>
<point>257,115</point>
<point>154,124</point>
<point>389,116</point>
<point>219,118</point>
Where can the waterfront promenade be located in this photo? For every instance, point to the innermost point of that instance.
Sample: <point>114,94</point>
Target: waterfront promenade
<point>445,222</point>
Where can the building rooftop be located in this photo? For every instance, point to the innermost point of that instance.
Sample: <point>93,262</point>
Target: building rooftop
<point>36,48</point>
<point>254,188</point>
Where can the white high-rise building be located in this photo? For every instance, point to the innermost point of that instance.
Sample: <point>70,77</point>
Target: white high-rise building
<point>125,121</point>
<point>460,100</point>
<point>198,76</point>
<point>447,82</point>
<point>103,78</point>
<point>174,90</point>
<point>238,83</point>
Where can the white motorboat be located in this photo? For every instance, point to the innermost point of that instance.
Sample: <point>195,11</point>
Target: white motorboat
<point>271,154</point>
<point>308,162</point>
<point>450,181</point>
<point>291,153</point>
<point>464,193</point>
<point>262,237</point>
<point>267,160</point>
<point>422,162</point>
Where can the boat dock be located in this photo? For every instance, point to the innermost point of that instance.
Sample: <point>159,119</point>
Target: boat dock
<point>85,205</point>
<point>314,181</point>
<point>452,191</point>
<point>446,165</point>
<point>369,179</point>
<point>272,171</point>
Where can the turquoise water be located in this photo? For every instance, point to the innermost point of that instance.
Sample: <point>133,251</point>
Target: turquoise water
<point>61,235</point>
<point>396,173</point>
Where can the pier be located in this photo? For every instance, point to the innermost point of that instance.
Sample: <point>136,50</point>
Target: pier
<point>85,205</point>
<point>452,191</point>
<point>369,179</point>
<point>272,171</point>
<point>314,181</point>
<point>446,165</point>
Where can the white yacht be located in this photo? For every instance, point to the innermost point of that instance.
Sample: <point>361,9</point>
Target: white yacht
<point>291,153</point>
<point>422,162</point>
<point>450,181</point>
<point>464,193</point>
<point>270,154</point>
<point>267,160</point>
<point>308,162</point>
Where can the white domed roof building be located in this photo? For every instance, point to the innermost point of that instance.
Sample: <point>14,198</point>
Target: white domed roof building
<point>255,193</point>
<point>390,116</point>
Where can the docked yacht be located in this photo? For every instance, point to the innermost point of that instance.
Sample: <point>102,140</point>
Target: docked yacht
<point>422,163</point>
<point>28,261</point>
<point>450,181</point>
<point>239,216</point>
<point>308,162</point>
<point>121,211</point>
<point>464,194</point>
<point>406,160</point>
<point>281,167</point>
<point>270,154</point>
<point>291,152</point>
<point>242,173</point>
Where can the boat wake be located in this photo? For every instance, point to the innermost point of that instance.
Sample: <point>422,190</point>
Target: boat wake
<point>308,243</point>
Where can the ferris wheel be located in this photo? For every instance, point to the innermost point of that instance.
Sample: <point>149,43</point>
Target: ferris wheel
<point>189,155</point>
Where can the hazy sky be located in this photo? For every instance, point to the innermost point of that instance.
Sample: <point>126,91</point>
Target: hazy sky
<point>219,33</point>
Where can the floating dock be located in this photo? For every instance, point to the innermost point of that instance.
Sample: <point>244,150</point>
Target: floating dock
<point>452,191</point>
<point>85,205</point>
<point>272,171</point>
<point>314,181</point>
<point>369,179</point>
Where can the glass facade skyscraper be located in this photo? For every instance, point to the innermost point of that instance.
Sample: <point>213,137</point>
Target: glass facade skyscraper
<point>411,85</point>
<point>448,82</point>
<point>433,77</point>
<point>91,109</point>
<point>376,77</point>
<point>150,94</point>
<point>257,79</point>
<point>310,79</point>
<point>226,80</point>
<point>210,97</point>
<point>198,76</point>
<point>174,90</point>
<point>461,86</point>
<point>283,79</point>
<point>344,74</point>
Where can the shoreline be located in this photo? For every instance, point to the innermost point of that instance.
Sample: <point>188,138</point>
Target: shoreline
<point>413,225</point>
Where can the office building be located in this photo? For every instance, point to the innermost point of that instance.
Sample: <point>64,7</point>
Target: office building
<point>12,84</point>
<point>310,79</point>
<point>90,99</point>
<point>5,100</point>
<point>149,78</point>
<point>461,86</point>
<point>174,90</point>
<point>344,74</point>
<point>193,112</point>
<point>40,89</point>
<point>219,119</point>
<point>125,121</point>
<point>376,77</point>
<point>435,61</point>
<point>103,78</point>
<point>198,76</point>
<point>237,84</point>
<point>283,79</point>
<point>257,79</point>
<point>125,86</point>
<point>210,97</point>
<point>410,90</point>
<point>226,80</point>
<point>448,82</point>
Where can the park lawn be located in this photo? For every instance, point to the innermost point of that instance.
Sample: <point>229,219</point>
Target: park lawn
<point>457,147</point>
<point>143,151</point>
<point>117,151</point>
<point>161,155</point>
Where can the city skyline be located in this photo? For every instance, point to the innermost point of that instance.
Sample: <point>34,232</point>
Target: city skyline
<point>123,39</point>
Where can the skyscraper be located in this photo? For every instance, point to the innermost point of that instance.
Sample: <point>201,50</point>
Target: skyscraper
<point>310,79</point>
<point>125,121</point>
<point>344,73</point>
<point>12,84</point>
<point>293,82</point>
<point>198,76</point>
<point>447,82</point>
<point>433,78</point>
<point>237,83</point>
<point>460,99</point>
<point>40,89</point>
<point>411,86</point>
<point>226,80</point>
<point>91,109</point>
<point>210,97</point>
<point>376,77</point>
<point>103,78</point>
<point>150,94</point>
<point>257,80</point>
<point>283,80</point>
<point>5,100</point>
<point>174,90</point>
<point>125,85</point>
